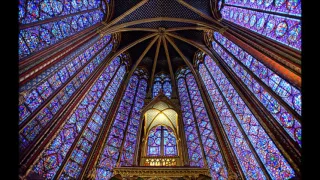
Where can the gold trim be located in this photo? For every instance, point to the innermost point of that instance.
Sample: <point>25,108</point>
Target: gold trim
<point>132,44</point>
<point>161,172</point>
<point>187,28</point>
<point>147,129</point>
<point>197,79</point>
<point>142,56</point>
<point>107,30</point>
<point>174,95</point>
<point>154,66</point>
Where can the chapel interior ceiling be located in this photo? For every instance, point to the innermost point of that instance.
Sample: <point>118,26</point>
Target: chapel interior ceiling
<point>137,19</point>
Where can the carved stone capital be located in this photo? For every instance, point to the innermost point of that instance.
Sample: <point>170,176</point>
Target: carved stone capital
<point>222,30</point>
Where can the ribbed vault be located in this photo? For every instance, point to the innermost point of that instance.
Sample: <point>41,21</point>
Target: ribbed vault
<point>162,18</point>
<point>225,106</point>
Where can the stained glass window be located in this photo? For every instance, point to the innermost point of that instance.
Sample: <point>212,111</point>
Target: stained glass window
<point>44,23</point>
<point>59,82</point>
<point>292,7</point>
<point>268,19</point>
<point>169,142</point>
<point>161,142</point>
<point>238,121</point>
<point>85,121</point>
<point>162,82</point>
<point>198,128</point>
<point>123,133</point>
<point>154,141</point>
<point>287,92</point>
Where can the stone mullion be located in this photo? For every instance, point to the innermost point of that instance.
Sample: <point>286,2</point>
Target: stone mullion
<point>93,162</point>
<point>196,124</point>
<point>128,122</point>
<point>263,168</point>
<point>266,42</point>
<point>222,138</point>
<point>54,19</point>
<point>183,143</point>
<point>58,90</point>
<point>80,134</point>
<point>285,69</point>
<point>265,11</point>
<point>261,83</point>
<point>161,142</point>
<point>57,47</point>
<point>56,123</point>
<point>90,165</point>
<point>283,141</point>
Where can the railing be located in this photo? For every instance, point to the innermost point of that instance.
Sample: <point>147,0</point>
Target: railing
<point>154,172</point>
<point>161,161</point>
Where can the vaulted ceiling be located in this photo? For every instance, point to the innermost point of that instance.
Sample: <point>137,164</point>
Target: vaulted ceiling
<point>169,23</point>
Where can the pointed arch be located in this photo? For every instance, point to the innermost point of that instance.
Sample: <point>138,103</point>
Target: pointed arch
<point>81,124</point>
<point>280,98</point>
<point>249,140</point>
<point>203,147</point>
<point>121,142</point>
<point>162,82</point>
<point>161,141</point>
<point>56,86</point>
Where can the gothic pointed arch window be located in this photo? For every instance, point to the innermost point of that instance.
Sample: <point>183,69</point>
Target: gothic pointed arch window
<point>45,23</point>
<point>82,124</point>
<point>162,82</point>
<point>161,142</point>
<point>274,92</point>
<point>120,145</point>
<point>278,20</point>
<point>49,92</point>
<point>248,138</point>
<point>201,139</point>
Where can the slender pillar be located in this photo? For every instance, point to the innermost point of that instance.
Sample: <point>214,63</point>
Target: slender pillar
<point>232,163</point>
<point>36,68</point>
<point>290,71</point>
<point>287,147</point>
<point>56,125</point>
<point>58,174</point>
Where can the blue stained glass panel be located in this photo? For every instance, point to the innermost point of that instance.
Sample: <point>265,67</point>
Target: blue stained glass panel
<point>72,127</point>
<point>248,122</point>
<point>282,29</point>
